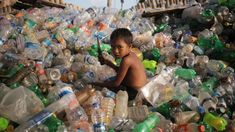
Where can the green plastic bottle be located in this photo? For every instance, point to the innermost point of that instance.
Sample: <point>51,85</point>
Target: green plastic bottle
<point>12,71</point>
<point>3,124</point>
<point>218,123</point>
<point>159,28</point>
<point>209,85</point>
<point>208,13</point>
<point>148,124</point>
<point>31,24</point>
<point>93,51</point>
<point>164,109</point>
<point>149,64</point>
<point>186,74</point>
<point>210,43</point>
<point>38,93</point>
<point>14,85</point>
<point>53,123</point>
<point>156,54</point>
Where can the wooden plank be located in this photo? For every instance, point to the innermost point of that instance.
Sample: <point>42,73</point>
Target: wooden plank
<point>47,3</point>
<point>154,12</point>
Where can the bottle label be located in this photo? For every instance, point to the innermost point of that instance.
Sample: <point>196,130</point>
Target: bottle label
<point>39,118</point>
<point>65,90</point>
<point>110,94</point>
<point>99,127</point>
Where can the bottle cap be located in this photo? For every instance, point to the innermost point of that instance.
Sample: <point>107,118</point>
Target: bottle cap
<point>201,109</point>
<point>201,128</point>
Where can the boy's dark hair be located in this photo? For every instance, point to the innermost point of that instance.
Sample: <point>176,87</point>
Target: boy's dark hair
<point>122,33</point>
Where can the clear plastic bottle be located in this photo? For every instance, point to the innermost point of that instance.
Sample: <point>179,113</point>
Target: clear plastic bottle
<point>192,102</point>
<point>190,60</point>
<point>30,80</point>
<point>207,101</point>
<point>138,113</point>
<point>58,91</point>
<point>164,125</point>
<point>95,98</point>
<point>186,117</point>
<point>53,74</point>
<point>98,118</point>
<point>107,104</point>
<point>121,109</point>
<point>84,94</point>
<point>87,59</point>
<point>4,90</point>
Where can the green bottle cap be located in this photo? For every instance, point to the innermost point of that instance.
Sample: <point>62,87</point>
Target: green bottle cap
<point>3,123</point>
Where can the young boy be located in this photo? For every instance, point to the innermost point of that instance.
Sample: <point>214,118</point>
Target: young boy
<point>131,72</point>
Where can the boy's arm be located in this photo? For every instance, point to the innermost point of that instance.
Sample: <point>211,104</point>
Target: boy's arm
<point>120,75</point>
<point>107,62</point>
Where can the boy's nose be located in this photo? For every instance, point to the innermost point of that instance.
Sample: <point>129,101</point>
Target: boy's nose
<point>115,51</point>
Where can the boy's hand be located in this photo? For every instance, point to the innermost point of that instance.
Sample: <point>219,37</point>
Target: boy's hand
<point>101,59</point>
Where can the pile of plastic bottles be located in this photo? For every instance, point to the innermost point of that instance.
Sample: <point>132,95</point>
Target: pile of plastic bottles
<point>49,56</point>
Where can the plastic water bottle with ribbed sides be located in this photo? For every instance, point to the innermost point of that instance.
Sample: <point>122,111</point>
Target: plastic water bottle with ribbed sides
<point>98,118</point>
<point>95,98</point>
<point>121,109</point>
<point>107,105</point>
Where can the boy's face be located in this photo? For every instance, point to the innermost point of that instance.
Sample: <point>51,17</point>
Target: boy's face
<point>120,48</point>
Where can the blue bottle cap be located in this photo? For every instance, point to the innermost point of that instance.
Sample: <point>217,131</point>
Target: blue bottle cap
<point>201,109</point>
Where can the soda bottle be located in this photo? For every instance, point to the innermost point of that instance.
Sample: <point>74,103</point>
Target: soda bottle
<point>107,105</point>
<point>98,118</point>
<point>121,109</point>
<point>218,123</point>
<point>164,109</point>
<point>41,73</point>
<point>12,71</point>
<point>3,123</point>
<point>148,124</point>
<point>52,123</point>
<point>19,76</point>
<point>186,74</point>
<point>209,84</point>
<point>36,90</point>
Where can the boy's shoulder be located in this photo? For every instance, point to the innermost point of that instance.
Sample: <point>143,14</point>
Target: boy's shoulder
<point>130,58</point>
